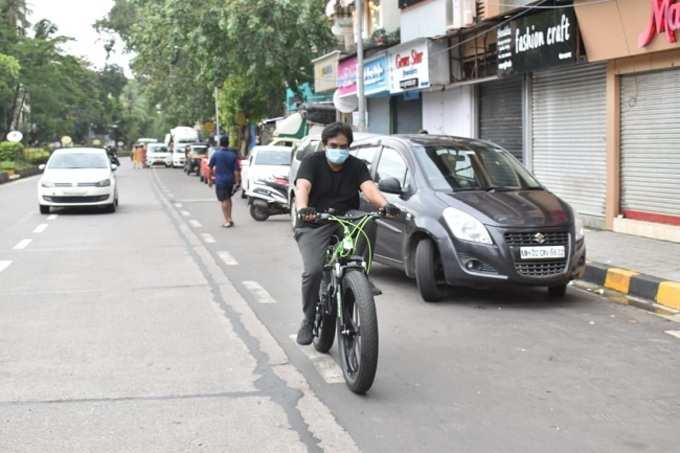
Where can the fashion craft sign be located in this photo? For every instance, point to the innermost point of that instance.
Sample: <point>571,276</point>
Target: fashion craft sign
<point>537,41</point>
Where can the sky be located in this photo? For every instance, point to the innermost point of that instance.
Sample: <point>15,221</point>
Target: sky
<point>75,18</point>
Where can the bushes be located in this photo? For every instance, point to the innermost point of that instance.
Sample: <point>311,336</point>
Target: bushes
<point>10,151</point>
<point>36,156</point>
<point>7,166</point>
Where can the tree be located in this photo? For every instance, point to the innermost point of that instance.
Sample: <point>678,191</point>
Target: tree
<point>249,49</point>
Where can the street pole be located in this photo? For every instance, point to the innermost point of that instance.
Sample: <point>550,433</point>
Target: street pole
<point>217,115</point>
<point>360,65</point>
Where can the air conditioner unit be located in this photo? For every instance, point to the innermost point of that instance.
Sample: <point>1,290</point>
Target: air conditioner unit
<point>464,12</point>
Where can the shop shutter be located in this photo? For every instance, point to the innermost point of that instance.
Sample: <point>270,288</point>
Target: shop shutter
<point>378,115</point>
<point>500,114</point>
<point>650,142</point>
<point>569,115</point>
<point>409,114</point>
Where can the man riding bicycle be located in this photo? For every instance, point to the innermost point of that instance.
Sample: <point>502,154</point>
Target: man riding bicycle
<point>328,181</point>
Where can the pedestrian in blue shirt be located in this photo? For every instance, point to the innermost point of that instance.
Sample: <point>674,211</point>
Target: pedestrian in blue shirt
<point>225,168</point>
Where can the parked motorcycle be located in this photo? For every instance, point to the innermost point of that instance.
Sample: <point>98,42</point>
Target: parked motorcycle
<point>268,197</point>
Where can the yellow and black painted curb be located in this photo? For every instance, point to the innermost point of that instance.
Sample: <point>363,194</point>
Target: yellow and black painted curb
<point>662,292</point>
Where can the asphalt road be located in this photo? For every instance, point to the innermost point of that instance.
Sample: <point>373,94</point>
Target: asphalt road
<point>153,329</point>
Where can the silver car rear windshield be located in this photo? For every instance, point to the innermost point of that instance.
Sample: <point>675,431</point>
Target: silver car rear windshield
<point>272,157</point>
<point>463,167</point>
<point>78,160</point>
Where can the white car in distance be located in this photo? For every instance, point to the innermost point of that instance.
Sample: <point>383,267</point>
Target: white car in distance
<point>78,177</point>
<point>158,153</point>
<point>266,162</point>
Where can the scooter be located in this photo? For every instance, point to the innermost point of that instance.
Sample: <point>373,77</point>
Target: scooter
<point>268,197</point>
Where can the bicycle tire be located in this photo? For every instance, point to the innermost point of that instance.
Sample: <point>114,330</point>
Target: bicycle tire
<point>357,293</point>
<point>323,341</point>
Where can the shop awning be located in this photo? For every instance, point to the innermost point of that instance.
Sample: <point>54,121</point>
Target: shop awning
<point>292,126</point>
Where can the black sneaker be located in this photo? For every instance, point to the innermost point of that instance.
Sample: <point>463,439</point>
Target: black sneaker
<point>305,334</point>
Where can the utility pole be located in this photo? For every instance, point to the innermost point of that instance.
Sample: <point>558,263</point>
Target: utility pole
<point>217,115</point>
<point>360,65</point>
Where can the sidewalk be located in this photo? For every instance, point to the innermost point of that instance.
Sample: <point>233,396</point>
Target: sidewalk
<point>638,266</point>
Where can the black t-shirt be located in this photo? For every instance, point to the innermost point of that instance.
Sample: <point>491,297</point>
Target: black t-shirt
<point>330,189</point>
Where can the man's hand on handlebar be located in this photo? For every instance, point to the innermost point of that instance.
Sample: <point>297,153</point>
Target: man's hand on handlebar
<point>308,215</point>
<point>390,211</point>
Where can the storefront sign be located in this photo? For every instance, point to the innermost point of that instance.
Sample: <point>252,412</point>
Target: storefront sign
<point>409,68</point>
<point>665,17</point>
<point>347,77</point>
<point>537,41</point>
<point>376,73</point>
<point>326,72</point>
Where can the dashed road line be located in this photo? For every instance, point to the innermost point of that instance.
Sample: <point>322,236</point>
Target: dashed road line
<point>674,333</point>
<point>227,258</point>
<point>208,238</point>
<point>185,213</point>
<point>327,368</point>
<point>4,265</point>
<point>40,228</point>
<point>22,244</point>
<point>53,217</point>
<point>261,295</point>
<point>178,205</point>
<point>195,223</point>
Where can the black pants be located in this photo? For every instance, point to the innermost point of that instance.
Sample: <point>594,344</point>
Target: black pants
<point>312,243</point>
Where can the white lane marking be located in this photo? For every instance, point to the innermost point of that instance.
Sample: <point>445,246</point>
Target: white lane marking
<point>324,363</point>
<point>674,333</point>
<point>4,265</point>
<point>52,217</point>
<point>185,213</point>
<point>22,244</point>
<point>195,223</point>
<point>40,228</point>
<point>227,258</point>
<point>208,238</point>
<point>261,294</point>
<point>178,205</point>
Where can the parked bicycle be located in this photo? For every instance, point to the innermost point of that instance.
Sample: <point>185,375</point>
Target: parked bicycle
<point>346,304</point>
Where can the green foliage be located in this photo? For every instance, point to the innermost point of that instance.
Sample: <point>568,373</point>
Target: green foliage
<point>10,151</point>
<point>250,49</point>
<point>36,156</point>
<point>8,166</point>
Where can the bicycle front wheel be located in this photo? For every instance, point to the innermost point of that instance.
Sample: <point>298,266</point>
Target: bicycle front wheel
<point>358,337</point>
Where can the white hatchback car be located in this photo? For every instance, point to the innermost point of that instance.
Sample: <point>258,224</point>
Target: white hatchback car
<point>179,155</point>
<point>78,177</point>
<point>158,153</point>
<point>265,162</point>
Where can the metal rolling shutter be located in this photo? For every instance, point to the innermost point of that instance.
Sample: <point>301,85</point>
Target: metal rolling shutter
<point>409,115</point>
<point>650,142</point>
<point>569,115</point>
<point>500,114</point>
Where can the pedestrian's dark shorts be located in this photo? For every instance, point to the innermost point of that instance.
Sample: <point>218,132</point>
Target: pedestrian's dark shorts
<point>223,191</point>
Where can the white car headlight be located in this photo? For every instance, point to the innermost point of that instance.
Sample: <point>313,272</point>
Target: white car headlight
<point>465,227</point>
<point>46,184</point>
<point>580,230</point>
<point>104,183</point>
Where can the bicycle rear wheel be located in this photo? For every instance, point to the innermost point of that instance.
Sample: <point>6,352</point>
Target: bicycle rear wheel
<point>358,337</point>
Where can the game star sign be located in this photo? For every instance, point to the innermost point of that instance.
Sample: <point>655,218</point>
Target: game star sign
<point>665,17</point>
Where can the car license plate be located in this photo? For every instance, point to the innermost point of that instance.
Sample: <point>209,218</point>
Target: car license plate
<point>542,253</point>
<point>74,193</point>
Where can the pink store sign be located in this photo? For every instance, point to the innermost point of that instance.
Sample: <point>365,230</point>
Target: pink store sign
<point>347,77</point>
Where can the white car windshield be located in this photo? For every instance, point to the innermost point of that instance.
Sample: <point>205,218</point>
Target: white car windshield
<point>158,149</point>
<point>78,160</point>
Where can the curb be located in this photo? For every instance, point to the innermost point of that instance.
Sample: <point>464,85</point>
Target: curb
<point>26,173</point>
<point>632,283</point>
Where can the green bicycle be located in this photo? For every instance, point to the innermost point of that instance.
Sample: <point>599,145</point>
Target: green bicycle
<point>346,303</point>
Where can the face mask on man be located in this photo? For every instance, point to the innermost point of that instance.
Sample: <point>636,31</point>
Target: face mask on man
<point>337,156</point>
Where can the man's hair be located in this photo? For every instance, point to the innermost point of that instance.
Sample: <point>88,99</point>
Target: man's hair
<point>335,129</point>
<point>224,141</point>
